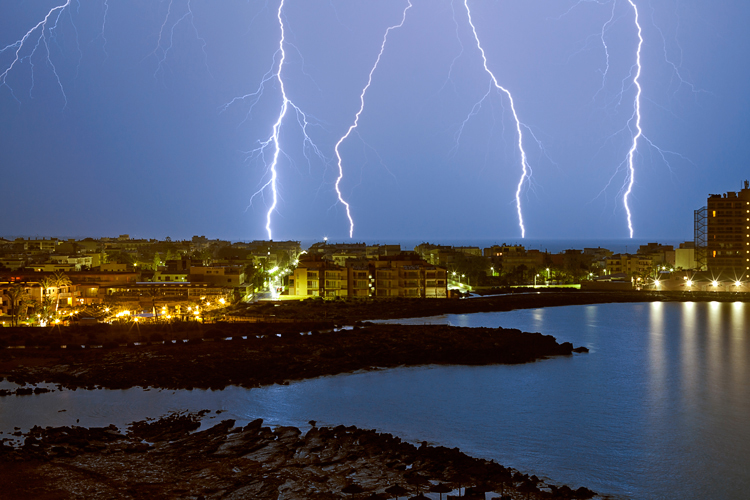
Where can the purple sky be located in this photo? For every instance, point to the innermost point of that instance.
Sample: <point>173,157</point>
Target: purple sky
<point>144,146</point>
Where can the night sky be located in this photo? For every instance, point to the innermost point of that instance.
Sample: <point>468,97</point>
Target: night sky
<point>131,135</point>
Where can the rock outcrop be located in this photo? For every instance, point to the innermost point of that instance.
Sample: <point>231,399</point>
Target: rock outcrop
<point>167,458</point>
<point>274,354</point>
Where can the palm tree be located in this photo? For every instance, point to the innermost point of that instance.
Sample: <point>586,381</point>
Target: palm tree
<point>45,310</point>
<point>18,300</point>
<point>47,284</point>
<point>60,280</point>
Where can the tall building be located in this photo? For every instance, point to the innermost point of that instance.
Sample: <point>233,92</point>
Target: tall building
<point>728,232</point>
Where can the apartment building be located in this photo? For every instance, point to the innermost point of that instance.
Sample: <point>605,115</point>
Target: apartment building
<point>229,275</point>
<point>728,231</point>
<point>628,264</point>
<point>404,275</point>
<point>316,277</point>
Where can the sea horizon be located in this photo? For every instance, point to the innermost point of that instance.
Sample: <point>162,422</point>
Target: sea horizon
<point>551,245</point>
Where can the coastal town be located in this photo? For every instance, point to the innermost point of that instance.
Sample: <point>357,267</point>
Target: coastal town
<point>49,279</point>
<point>119,313</point>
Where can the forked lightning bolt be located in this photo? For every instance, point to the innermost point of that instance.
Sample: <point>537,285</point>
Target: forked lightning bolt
<point>273,142</point>
<point>635,121</point>
<point>38,37</point>
<point>163,47</point>
<point>525,167</point>
<point>357,115</point>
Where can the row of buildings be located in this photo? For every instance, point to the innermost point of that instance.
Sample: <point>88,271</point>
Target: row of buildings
<point>134,273</point>
<point>146,270</point>
<point>125,253</point>
<point>76,290</point>
<point>401,275</point>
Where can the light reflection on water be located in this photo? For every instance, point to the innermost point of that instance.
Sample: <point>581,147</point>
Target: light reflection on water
<point>657,409</point>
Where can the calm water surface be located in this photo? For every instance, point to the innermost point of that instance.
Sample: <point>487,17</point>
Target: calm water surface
<point>658,409</point>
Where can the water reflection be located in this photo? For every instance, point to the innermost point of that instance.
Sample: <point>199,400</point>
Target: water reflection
<point>664,394</point>
<point>591,315</point>
<point>739,333</point>
<point>691,354</point>
<point>715,352</point>
<point>656,349</point>
<point>657,409</point>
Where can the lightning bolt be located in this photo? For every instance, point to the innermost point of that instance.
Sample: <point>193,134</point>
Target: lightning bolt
<point>635,120</point>
<point>104,26</point>
<point>38,36</point>
<point>634,123</point>
<point>357,115</point>
<point>273,142</point>
<point>525,167</point>
<point>161,53</point>
<point>675,66</point>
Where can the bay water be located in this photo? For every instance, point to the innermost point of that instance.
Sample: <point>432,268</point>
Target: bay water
<point>659,407</point>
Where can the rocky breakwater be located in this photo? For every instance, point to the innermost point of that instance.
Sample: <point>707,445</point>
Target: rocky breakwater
<point>269,358</point>
<point>349,311</point>
<point>168,458</point>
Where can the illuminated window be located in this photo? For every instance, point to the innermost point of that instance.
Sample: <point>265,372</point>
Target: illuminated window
<point>714,213</point>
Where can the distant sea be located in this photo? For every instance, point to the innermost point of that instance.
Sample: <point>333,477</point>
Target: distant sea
<point>619,245</point>
<point>622,245</point>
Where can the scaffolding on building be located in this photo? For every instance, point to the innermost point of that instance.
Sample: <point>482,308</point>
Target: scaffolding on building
<point>700,230</point>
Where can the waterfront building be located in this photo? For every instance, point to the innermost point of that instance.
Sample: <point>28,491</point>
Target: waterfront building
<point>685,256</point>
<point>728,232</point>
<point>403,275</point>
<point>318,277</point>
<point>629,265</point>
<point>661,255</point>
<point>407,275</point>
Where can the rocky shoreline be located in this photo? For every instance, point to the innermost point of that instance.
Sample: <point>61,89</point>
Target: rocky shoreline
<point>167,458</point>
<point>263,355</point>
